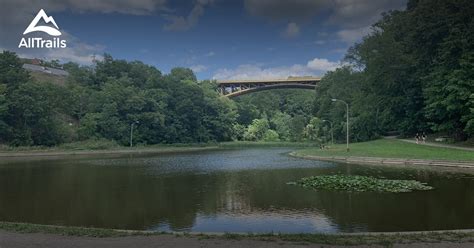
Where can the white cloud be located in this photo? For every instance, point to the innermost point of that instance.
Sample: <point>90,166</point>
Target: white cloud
<point>322,64</point>
<point>76,51</point>
<point>292,30</point>
<point>81,53</point>
<point>181,23</point>
<point>314,67</point>
<point>198,68</point>
<point>350,36</point>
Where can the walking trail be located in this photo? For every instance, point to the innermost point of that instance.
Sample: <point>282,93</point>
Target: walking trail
<point>440,145</point>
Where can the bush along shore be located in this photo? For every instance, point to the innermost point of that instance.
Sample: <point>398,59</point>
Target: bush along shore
<point>351,183</point>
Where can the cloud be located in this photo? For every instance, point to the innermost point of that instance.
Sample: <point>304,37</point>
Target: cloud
<point>80,53</point>
<point>314,67</point>
<point>350,36</point>
<point>181,23</point>
<point>76,51</point>
<point>284,10</point>
<point>136,7</point>
<point>292,30</point>
<point>347,13</point>
<point>15,15</point>
<point>198,68</point>
<point>322,64</point>
<point>361,13</point>
<point>352,17</point>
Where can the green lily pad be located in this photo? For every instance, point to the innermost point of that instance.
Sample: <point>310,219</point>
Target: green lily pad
<point>360,184</point>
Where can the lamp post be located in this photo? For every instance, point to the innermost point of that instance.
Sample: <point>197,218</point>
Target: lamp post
<point>332,136</point>
<point>131,132</point>
<point>347,121</point>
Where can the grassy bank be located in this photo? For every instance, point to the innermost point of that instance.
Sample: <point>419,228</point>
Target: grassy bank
<point>94,146</point>
<point>244,144</point>
<point>330,239</point>
<point>391,148</point>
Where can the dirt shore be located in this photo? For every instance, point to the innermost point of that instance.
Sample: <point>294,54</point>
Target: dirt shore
<point>26,240</point>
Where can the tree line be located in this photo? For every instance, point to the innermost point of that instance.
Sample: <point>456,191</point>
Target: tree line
<point>104,100</point>
<point>413,73</point>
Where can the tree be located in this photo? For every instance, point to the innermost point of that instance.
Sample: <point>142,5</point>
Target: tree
<point>281,123</point>
<point>4,128</point>
<point>271,135</point>
<point>315,130</point>
<point>256,130</point>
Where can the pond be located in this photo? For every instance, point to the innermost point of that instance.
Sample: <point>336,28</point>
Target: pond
<point>232,190</point>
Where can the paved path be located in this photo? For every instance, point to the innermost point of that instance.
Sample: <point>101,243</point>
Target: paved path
<point>29,240</point>
<point>389,161</point>
<point>440,145</point>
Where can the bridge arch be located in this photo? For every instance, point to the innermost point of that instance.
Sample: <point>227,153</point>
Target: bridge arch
<point>234,88</point>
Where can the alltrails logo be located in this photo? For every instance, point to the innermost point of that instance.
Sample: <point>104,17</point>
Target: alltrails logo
<point>38,42</point>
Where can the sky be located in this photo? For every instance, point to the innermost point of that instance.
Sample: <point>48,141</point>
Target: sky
<point>217,39</point>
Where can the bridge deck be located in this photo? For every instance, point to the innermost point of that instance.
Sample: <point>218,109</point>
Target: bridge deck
<point>231,88</point>
<point>285,80</point>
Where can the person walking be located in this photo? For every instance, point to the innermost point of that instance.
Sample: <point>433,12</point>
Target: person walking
<point>423,137</point>
<point>417,138</point>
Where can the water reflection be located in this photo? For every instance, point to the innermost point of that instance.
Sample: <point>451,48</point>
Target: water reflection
<point>229,190</point>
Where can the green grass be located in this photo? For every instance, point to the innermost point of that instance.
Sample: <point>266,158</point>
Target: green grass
<point>391,148</point>
<point>103,144</point>
<point>244,144</point>
<point>91,144</point>
<point>62,230</point>
<point>329,239</point>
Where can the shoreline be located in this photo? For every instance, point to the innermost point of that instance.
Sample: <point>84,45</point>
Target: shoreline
<point>387,161</point>
<point>147,150</point>
<point>50,232</point>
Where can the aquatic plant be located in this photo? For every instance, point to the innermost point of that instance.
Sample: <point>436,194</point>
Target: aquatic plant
<point>360,184</point>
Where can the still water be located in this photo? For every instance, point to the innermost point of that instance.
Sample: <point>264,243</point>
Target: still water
<point>223,191</point>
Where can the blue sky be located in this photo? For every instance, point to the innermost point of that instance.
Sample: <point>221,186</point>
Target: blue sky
<point>216,38</point>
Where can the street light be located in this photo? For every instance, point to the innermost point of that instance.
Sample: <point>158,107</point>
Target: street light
<point>347,121</point>
<point>332,136</point>
<point>131,132</point>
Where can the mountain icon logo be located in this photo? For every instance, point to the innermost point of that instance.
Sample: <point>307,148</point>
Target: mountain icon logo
<point>47,19</point>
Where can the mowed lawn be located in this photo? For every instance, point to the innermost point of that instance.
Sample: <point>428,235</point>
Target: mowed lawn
<point>391,148</point>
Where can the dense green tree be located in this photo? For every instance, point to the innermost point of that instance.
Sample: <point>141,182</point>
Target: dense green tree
<point>271,135</point>
<point>103,101</point>
<point>4,128</point>
<point>413,71</point>
<point>315,130</point>
<point>256,130</point>
<point>281,123</point>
